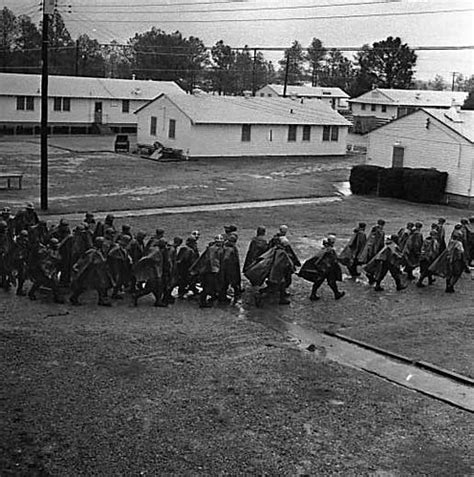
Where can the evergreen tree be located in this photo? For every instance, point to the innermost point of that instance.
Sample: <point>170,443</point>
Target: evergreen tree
<point>315,56</point>
<point>296,59</point>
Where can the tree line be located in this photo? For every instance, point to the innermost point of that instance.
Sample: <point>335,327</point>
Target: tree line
<point>158,55</point>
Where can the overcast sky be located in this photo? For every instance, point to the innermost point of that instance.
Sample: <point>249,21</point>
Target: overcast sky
<point>268,23</point>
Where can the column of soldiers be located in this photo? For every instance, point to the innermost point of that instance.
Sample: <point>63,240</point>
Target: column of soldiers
<point>95,255</point>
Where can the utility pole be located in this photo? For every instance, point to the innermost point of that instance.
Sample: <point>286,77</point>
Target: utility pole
<point>287,68</point>
<point>454,79</point>
<point>76,64</point>
<point>254,72</point>
<point>48,9</point>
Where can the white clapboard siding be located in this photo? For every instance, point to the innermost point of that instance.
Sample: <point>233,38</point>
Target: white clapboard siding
<point>217,140</point>
<point>435,146</point>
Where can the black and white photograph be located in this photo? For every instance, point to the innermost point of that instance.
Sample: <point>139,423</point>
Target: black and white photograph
<point>237,238</point>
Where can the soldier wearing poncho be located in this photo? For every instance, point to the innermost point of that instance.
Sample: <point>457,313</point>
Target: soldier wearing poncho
<point>19,258</point>
<point>187,255</point>
<point>404,233</point>
<point>375,243</point>
<point>412,250</point>
<point>5,247</point>
<point>120,263</point>
<point>324,266</point>
<point>452,262</point>
<point>276,266</point>
<point>63,233</point>
<point>350,255</point>
<point>257,246</point>
<point>44,269</point>
<point>91,272</point>
<point>24,219</point>
<point>429,253</point>
<point>387,260</point>
<point>209,269</point>
<point>171,268</point>
<point>148,276</point>
<point>231,269</point>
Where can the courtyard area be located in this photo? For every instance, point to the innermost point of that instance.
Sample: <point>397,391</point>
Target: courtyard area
<point>228,390</point>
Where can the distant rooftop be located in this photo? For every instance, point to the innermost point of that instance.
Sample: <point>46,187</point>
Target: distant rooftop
<point>309,91</point>
<point>412,97</point>
<point>13,84</point>
<point>213,109</point>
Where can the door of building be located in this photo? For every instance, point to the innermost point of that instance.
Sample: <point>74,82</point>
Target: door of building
<point>397,156</point>
<point>98,112</point>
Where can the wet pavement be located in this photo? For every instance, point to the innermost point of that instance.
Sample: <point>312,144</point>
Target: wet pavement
<point>201,208</point>
<point>404,374</point>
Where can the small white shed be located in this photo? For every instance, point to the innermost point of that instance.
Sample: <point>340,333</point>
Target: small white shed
<point>430,138</point>
<point>236,126</point>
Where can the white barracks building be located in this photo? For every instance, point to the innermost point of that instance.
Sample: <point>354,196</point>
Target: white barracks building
<point>76,104</point>
<point>235,126</point>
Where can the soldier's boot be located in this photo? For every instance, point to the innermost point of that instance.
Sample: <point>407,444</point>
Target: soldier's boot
<point>103,298</point>
<point>378,287</point>
<point>19,290</point>
<point>73,300</point>
<point>203,301</point>
<point>314,294</point>
<point>284,300</point>
<point>400,285</point>
<point>420,283</point>
<point>58,298</point>
<point>32,292</point>
<point>371,278</point>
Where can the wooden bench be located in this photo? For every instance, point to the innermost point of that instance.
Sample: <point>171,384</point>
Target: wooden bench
<point>12,176</point>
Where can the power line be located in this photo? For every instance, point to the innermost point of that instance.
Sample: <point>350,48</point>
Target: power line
<point>227,10</point>
<point>238,48</point>
<point>306,18</point>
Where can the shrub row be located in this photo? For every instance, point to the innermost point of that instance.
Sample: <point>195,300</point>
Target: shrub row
<point>415,185</point>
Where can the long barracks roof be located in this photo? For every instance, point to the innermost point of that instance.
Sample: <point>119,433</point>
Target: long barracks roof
<point>309,91</point>
<point>210,109</point>
<point>13,84</point>
<point>412,97</point>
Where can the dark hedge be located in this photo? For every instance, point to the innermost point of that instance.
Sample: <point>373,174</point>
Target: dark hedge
<point>364,179</point>
<point>416,185</point>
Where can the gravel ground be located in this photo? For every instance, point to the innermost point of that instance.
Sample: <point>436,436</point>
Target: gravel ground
<point>136,391</point>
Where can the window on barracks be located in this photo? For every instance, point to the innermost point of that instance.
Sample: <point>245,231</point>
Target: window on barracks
<point>334,133</point>
<point>172,129</point>
<point>246,132</point>
<point>326,133</point>
<point>373,107</point>
<point>125,105</point>
<point>292,128</point>
<point>62,104</point>
<point>306,133</point>
<point>362,106</point>
<point>384,108</point>
<point>30,103</point>
<point>25,103</point>
<point>153,126</point>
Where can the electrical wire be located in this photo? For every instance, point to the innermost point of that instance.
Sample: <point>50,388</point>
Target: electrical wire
<point>306,18</point>
<point>233,10</point>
